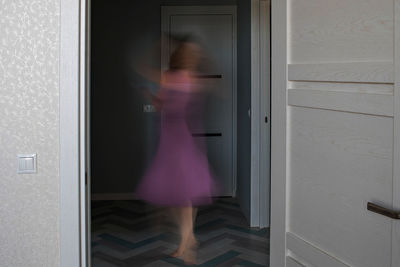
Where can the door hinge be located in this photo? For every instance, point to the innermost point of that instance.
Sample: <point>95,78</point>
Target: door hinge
<point>266,119</point>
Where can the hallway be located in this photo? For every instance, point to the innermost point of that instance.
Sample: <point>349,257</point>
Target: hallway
<point>130,233</point>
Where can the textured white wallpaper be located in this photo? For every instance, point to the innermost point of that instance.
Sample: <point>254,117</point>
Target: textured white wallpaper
<point>29,123</point>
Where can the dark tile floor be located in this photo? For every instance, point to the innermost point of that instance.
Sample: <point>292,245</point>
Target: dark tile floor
<point>131,233</point>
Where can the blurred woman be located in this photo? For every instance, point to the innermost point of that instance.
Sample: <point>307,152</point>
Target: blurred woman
<point>179,175</point>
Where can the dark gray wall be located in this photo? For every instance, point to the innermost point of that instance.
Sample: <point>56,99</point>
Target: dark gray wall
<point>244,102</point>
<point>121,134</point>
<point>123,138</point>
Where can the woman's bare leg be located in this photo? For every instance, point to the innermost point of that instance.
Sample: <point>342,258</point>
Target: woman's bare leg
<point>191,245</point>
<point>188,241</point>
<point>180,219</point>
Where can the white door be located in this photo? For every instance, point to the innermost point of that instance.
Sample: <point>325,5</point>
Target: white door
<point>214,28</point>
<point>335,134</point>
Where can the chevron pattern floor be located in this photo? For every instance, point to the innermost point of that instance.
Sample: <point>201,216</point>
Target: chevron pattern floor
<point>131,233</point>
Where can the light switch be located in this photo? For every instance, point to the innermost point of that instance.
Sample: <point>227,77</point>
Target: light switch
<point>26,163</point>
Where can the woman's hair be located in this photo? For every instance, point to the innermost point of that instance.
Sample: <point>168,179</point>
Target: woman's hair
<point>186,55</point>
<point>180,58</point>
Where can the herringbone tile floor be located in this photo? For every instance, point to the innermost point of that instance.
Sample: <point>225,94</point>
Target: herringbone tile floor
<point>131,233</point>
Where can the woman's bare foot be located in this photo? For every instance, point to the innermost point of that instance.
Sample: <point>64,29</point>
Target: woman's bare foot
<point>176,254</point>
<point>190,256</point>
<point>190,253</point>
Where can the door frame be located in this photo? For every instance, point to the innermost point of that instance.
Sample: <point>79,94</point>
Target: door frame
<point>166,11</point>
<point>279,55</point>
<point>260,114</point>
<point>74,229</point>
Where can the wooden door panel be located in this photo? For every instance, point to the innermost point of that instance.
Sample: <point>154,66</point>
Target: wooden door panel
<point>338,162</point>
<point>340,132</point>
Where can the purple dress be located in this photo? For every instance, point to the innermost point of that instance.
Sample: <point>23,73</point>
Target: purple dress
<point>179,174</point>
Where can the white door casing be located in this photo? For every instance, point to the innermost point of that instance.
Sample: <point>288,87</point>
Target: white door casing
<point>85,135</point>
<point>74,154</point>
<point>260,113</point>
<point>71,251</point>
<point>335,132</point>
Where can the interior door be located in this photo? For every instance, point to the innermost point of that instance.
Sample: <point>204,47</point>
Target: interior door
<point>214,29</point>
<point>341,134</point>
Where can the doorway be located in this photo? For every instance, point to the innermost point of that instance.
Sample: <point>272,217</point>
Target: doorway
<point>253,167</point>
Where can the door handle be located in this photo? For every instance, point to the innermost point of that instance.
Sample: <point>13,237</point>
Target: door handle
<point>206,134</point>
<point>383,211</point>
<point>209,76</point>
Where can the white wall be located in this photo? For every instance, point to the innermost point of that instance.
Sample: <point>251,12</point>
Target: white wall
<point>29,123</point>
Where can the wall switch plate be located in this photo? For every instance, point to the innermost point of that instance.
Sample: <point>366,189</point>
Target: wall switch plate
<point>26,163</point>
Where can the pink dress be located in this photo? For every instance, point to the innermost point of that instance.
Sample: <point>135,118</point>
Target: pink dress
<point>179,174</point>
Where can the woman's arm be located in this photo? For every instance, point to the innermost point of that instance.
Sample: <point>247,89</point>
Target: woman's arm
<point>156,99</point>
<point>143,68</point>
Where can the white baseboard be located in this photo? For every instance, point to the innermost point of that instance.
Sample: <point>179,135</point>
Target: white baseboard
<point>114,196</point>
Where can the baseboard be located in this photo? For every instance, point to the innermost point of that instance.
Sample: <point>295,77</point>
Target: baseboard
<point>114,196</point>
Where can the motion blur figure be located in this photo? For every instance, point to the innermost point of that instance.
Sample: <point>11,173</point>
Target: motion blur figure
<point>179,176</point>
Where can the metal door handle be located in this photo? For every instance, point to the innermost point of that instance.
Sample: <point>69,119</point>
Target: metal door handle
<point>206,134</point>
<point>209,76</point>
<point>383,211</point>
